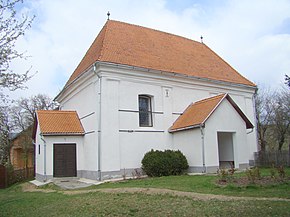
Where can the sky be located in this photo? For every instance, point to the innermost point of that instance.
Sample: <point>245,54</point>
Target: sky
<point>253,36</point>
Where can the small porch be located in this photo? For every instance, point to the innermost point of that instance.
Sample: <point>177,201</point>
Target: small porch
<point>226,150</point>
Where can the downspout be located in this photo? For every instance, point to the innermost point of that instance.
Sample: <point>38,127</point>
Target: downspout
<point>99,123</point>
<point>44,153</point>
<point>202,146</point>
<point>255,117</point>
<point>34,157</point>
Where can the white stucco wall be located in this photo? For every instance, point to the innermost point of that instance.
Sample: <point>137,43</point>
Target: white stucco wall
<point>50,141</point>
<point>123,142</point>
<point>83,97</point>
<point>39,154</point>
<point>226,119</point>
<point>189,142</point>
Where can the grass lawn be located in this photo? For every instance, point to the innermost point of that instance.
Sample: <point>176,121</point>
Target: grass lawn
<point>15,202</point>
<point>206,184</point>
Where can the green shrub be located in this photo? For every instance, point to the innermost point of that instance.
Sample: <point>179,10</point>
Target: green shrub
<point>164,163</point>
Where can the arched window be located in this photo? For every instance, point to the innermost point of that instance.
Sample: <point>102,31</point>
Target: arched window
<point>145,111</point>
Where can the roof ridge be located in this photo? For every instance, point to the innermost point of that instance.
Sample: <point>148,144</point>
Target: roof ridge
<point>156,30</point>
<point>56,111</point>
<point>210,98</point>
<point>105,28</point>
<point>223,96</point>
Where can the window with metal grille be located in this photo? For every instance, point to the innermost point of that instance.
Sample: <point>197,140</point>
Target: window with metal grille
<point>145,111</point>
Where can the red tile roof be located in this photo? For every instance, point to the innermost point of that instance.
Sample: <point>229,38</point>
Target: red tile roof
<point>59,122</point>
<point>197,113</point>
<point>133,45</point>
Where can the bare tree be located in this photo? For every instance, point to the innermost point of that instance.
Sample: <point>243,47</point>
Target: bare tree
<point>287,80</point>
<point>12,28</point>
<point>281,118</point>
<point>23,113</point>
<point>264,102</point>
<point>273,117</point>
<point>20,118</point>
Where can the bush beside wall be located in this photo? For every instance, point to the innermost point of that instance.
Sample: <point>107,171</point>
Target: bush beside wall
<point>164,163</point>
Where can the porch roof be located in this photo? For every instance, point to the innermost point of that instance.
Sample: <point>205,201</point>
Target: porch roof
<point>59,122</point>
<point>196,114</point>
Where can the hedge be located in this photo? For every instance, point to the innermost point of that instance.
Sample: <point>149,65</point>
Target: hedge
<point>164,163</point>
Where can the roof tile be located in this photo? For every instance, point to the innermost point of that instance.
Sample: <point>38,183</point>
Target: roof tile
<point>197,113</point>
<point>59,122</point>
<point>133,45</point>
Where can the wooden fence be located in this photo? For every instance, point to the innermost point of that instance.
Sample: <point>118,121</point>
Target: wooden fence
<point>8,177</point>
<point>273,158</point>
<point>3,177</point>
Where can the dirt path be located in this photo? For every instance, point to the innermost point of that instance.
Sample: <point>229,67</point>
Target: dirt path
<point>152,191</point>
<point>28,187</point>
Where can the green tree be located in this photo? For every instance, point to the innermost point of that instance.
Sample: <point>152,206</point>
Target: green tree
<point>5,135</point>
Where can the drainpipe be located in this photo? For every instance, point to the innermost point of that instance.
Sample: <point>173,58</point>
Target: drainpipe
<point>255,117</point>
<point>44,153</point>
<point>202,146</point>
<point>99,123</point>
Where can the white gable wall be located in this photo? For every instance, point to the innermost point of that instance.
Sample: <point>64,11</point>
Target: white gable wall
<point>226,119</point>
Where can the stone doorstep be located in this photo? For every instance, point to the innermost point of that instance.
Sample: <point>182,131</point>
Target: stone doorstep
<point>196,174</point>
<point>38,183</point>
<point>68,182</point>
<point>90,181</point>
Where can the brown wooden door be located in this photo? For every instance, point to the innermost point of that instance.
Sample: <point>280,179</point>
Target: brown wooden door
<point>64,160</point>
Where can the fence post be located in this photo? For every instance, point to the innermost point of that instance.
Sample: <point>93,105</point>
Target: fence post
<point>288,157</point>
<point>272,158</point>
<point>3,177</point>
<point>6,177</point>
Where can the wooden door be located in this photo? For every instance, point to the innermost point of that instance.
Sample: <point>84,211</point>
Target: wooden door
<point>64,160</point>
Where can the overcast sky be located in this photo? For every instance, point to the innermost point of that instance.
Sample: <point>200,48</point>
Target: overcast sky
<point>252,36</point>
